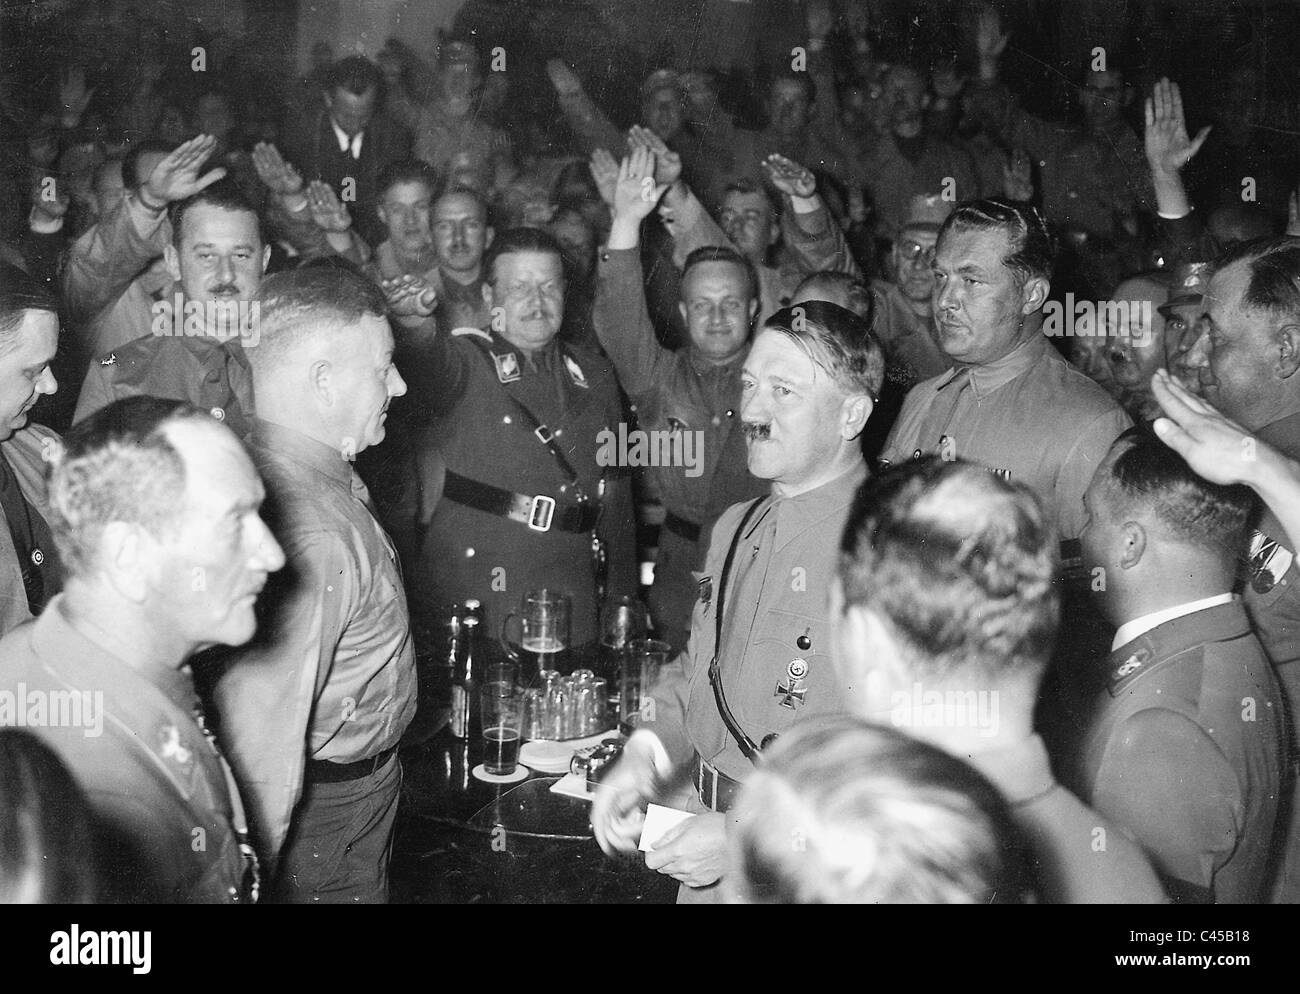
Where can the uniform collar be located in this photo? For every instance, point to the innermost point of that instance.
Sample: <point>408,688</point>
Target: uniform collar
<point>542,360</point>
<point>795,515</point>
<point>1138,626</point>
<point>987,377</point>
<point>1022,772</point>
<point>709,370</point>
<point>345,144</point>
<point>294,445</point>
<point>1219,623</point>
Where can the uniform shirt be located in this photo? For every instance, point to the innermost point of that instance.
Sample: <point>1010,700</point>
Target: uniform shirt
<point>1029,416</point>
<point>775,626</point>
<point>1080,857</point>
<point>160,798</point>
<point>894,178</point>
<point>209,374</point>
<point>910,344</point>
<point>1184,749</point>
<point>478,432</point>
<point>675,393</point>
<point>28,452</point>
<point>331,674</point>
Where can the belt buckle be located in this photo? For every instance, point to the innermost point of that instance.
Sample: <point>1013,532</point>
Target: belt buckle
<point>541,512</point>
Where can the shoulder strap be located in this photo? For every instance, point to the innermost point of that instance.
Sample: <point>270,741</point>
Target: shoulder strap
<point>530,421</point>
<point>747,745</point>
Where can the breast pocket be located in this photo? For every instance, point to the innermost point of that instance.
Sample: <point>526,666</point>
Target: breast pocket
<point>788,673</point>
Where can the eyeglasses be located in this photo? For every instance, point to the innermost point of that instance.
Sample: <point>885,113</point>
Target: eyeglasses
<point>912,252</point>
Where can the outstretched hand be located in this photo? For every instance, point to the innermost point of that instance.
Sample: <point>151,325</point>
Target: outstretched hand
<point>790,177</point>
<point>667,163</point>
<point>1167,146</point>
<point>177,176</point>
<point>636,192</point>
<point>327,211</point>
<point>1215,447</point>
<point>279,176</point>
<point>409,296</point>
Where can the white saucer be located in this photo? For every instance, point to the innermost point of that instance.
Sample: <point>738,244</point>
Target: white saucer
<point>481,773</point>
<point>552,756</point>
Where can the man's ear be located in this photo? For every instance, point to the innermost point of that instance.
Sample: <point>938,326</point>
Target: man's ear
<point>173,261</point>
<point>124,548</point>
<point>319,376</point>
<point>681,309</point>
<point>753,309</point>
<point>1133,544</point>
<point>854,413</point>
<point>1036,290</point>
<point>266,258</point>
<point>491,234</point>
<point>1288,344</point>
<point>486,290</point>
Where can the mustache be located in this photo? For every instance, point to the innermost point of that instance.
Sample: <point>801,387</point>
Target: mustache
<point>756,431</point>
<point>224,288</point>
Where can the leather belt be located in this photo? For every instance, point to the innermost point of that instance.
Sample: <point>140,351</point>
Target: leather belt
<point>682,528</point>
<point>539,513</point>
<point>717,790</point>
<point>323,771</point>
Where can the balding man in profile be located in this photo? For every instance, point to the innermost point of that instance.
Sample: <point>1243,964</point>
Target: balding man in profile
<point>313,711</point>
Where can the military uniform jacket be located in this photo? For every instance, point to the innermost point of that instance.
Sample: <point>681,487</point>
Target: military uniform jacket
<point>1030,417</point>
<point>161,801</point>
<point>675,393</point>
<point>1272,588</point>
<point>477,432</point>
<point>1184,750</point>
<point>28,451</point>
<point>210,375</point>
<point>910,345</point>
<point>775,661</point>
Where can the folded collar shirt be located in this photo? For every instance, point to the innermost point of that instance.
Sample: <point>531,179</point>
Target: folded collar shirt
<point>350,145</point>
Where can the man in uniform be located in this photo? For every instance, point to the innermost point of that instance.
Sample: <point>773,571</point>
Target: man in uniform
<point>1012,404</point>
<point>1133,326</point>
<point>29,337</point>
<point>758,661</point>
<point>945,613</point>
<point>1182,313</point>
<point>195,352</point>
<point>312,712</point>
<point>905,314</point>
<point>1184,745</point>
<point>512,495</point>
<point>1247,357</point>
<point>155,511</point>
<point>692,394</point>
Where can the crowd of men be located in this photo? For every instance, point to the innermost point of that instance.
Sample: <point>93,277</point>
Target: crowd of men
<point>964,607</point>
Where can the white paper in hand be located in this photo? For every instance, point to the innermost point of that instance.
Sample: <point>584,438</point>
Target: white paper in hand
<point>658,822</point>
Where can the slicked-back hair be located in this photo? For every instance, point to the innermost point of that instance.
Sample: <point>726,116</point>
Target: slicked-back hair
<point>958,563</point>
<point>299,305</point>
<point>1033,247</point>
<point>515,241</point>
<point>20,292</point>
<point>224,193</point>
<point>1150,476</point>
<point>408,171</point>
<point>723,253</point>
<point>118,465</point>
<point>747,185</point>
<point>862,301</point>
<point>837,340</point>
<point>1274,267</point>
<point>131,161</point>
<point>355,74</point>
<point>847,812</point>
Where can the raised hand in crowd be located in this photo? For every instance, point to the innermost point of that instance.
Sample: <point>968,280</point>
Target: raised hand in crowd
<point>327,211</point>
<point>178,175</point>
<point>667,163</point>
<point>946,81</point>
<point>74,95</point>
<point>47,210</point>
<point>1018,176</point>
<point>564,79</point>
<point>635,196</point>
<point>990,42</point>
<point>410,298</point>
<point>604,170</point>
<point>279,176</point>
<point>1168,148</point>
<point>795,181</point>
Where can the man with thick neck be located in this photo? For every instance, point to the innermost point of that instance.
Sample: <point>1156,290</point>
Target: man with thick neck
<point>1247,360</point>
<point>945,612</point>
<point>195,352</point>
<point>807,387</point>
<point>515,422</point>
<point>312,712</point>
<point>155,512</point>
<point>1185,741</point>
<point>1012,404</point>
<point>693,392</point>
